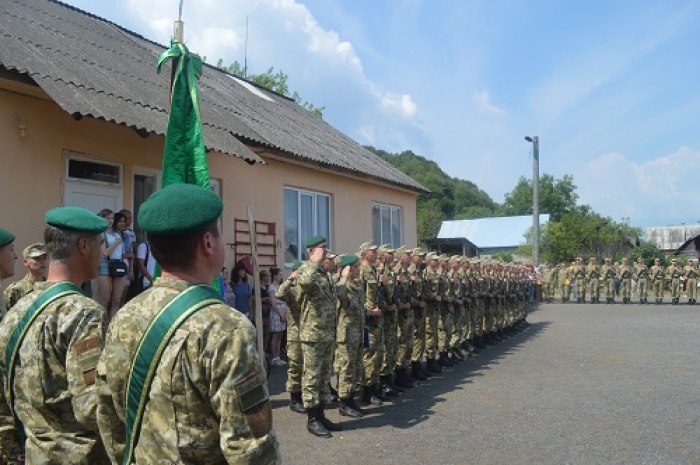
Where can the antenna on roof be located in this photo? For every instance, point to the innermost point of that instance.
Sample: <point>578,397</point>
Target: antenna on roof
<point>245,53</point>
<point>179,27</point>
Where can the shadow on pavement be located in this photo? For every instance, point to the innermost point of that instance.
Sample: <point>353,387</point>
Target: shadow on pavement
<point>416,405</point>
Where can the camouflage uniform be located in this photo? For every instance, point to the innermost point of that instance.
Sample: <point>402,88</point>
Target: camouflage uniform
<point>607,273</point>
<point>317,327</point>
<point>374,354</point>
<point>691,283</point>
<point>418,295</point>
<point>194,413</point>
<point>593,277</point>
<point>579,274</point>
<point>641,271</point>
<point>17,290</point>
<point>625,273</point>
<point>564,278</point>
<point>673,274</point>
<point>446,312</point>
<point>349,344</point>
<point>54,378</point>
<point>656,273</point>
<point>459,315</point>
<point>432,281</point>
<point>290,293</point>
<point>389,308</point>
<point>404,348</point>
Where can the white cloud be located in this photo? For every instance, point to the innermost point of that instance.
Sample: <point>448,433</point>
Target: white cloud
<point>653,192</point>
<point>322,67</point>
<point>484,104</point>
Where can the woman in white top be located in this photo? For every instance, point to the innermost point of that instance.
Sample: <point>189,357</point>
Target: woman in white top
<point>109,288</point>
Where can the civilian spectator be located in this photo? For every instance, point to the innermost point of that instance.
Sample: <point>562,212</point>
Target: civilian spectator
<point>278,318</point>
<point>241,289</point>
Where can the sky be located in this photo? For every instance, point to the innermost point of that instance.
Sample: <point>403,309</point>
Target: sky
<point>611,88</point>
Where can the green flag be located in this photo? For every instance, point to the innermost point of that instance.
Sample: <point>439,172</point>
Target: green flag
<point>185,158</point>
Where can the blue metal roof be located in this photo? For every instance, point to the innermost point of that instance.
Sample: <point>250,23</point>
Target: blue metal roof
<point>506,231</point>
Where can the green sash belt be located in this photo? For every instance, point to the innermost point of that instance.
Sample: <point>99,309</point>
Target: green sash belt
<point>150,351</point>
<point>49,295</point>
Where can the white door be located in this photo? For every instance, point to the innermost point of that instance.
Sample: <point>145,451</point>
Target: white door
<point>92,196</point>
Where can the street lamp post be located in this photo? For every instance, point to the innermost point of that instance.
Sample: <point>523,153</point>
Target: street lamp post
<point>535,199</point>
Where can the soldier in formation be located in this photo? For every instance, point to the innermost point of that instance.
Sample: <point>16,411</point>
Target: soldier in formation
<point>34,259</point>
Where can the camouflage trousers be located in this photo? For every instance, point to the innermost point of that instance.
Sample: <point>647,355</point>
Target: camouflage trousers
<point>296,365</point>
<point>317,373</point>
<point>594,289</point>
<point>676,288</point>
<point>626,287</point>
<point>431,330</point>
<point>548,290</point>
<point>478,316</point>
<point>643,288</point>
<point>691,287</point>
<point>418,334</point>
<point>404,348</point>
<point>581,289</point>
<point>488,315</point>
<point>609,285</point>
<point>445,326</point>
<point>565,290</point>
<point>459,325</point>
<point>348,357</point>
<point>657,286</point>
<point>374,354</point>
<point>391,326</point>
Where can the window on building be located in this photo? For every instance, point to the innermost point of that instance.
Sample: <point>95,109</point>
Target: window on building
<point>387,225</point>
<point>306,214</point>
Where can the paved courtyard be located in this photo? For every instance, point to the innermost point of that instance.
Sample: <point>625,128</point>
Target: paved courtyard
<point>584,384</point>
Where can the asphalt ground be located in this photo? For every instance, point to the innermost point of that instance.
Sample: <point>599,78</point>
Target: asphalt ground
<point>583,384</point>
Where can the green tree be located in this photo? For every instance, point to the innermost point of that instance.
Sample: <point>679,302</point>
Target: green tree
<point>274,81</point>
<point>557,197</point>
<point>648,252</point>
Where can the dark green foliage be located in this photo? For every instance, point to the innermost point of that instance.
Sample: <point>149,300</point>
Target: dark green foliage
<point>648,252</point>
<point>557,197</point>
<point>275,81</point>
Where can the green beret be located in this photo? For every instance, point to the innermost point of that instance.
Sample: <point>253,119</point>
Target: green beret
<point>314,241</point>
<point>348,260</point>
<point>75,219</point>
<point>6,237</point>
<point>179,209</point>
<point>296,266</point>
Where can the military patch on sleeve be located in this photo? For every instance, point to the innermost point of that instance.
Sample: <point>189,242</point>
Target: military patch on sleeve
<point>251,392</point>
<point>88,352</point>
<point>253,399</point>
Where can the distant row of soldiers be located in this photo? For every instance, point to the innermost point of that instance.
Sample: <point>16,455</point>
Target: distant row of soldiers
<point>384,324</point>
<point>594,280</point>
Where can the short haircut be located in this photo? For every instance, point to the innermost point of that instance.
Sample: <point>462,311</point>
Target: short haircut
<point>178,251</point>
<point>61,243</point>
<point>105,212</point>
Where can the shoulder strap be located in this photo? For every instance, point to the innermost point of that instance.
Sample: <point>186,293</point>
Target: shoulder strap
<point>35,309</point>
<point>150,350</point>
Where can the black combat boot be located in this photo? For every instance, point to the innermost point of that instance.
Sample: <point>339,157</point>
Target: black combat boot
<point>417,372</point>
<point>393,385</point>
<point>378,391</point>
<point>433,366</point>
<point>314,424</point>
<point>401,379</point>
<point>444,361</point>
<point>369,398</point>
<point>330,426</point>
<point>347,410</point>
<point>295,403</point>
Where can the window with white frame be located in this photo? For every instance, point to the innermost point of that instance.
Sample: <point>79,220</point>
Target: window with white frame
<point>306,214</point>
<point>387,221</point>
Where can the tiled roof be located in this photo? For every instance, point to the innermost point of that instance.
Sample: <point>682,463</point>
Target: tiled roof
<point>507,231</point>
<point>92,67</point>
